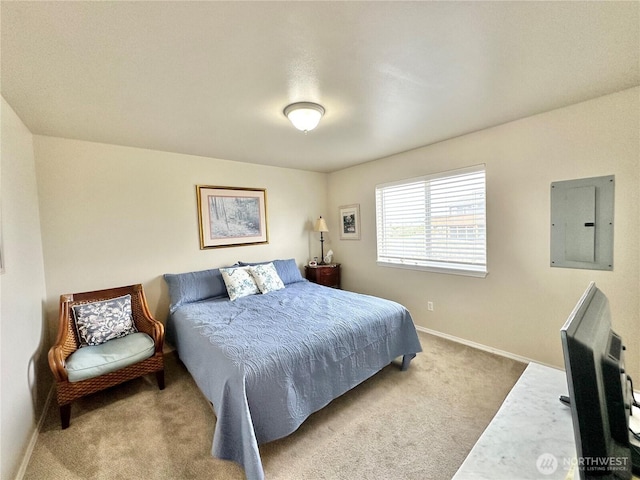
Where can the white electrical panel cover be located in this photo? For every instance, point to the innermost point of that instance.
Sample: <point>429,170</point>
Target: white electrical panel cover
<point>582,223</point>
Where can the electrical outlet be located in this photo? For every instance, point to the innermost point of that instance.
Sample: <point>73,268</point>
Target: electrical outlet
<point>430,306</point>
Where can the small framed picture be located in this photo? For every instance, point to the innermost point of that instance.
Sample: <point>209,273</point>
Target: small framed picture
<point>350,222</point>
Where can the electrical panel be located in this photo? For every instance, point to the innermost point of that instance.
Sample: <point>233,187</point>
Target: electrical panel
<point>582,223</point>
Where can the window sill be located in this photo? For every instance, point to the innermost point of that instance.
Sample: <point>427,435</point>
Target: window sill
<point>450,270</point>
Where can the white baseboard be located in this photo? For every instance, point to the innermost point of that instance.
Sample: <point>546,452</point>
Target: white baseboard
<point>486,348</point>
<point>480,346</point>
<point>34,436</point>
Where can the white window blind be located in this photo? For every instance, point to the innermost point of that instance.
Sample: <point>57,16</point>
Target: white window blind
<point>436,222</point>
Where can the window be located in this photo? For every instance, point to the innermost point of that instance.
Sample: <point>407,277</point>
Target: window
<point>436,222</point>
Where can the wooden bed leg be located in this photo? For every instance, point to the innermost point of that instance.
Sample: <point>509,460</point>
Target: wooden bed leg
<point>406,359</point>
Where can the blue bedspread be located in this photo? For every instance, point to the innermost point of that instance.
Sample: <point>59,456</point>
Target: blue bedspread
<point>266,362</point>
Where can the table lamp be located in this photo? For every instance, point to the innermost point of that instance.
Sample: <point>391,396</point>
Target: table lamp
<point>321,226</point>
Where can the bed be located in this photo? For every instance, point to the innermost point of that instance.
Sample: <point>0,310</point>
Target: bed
<point>268,361</point>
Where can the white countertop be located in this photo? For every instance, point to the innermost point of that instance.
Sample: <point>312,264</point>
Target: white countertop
<point>531,436</point>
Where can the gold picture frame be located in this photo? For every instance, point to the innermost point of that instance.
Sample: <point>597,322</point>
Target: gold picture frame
<point>231,216</point>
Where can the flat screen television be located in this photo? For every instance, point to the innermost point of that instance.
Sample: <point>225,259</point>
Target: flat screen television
<point>599,391</point>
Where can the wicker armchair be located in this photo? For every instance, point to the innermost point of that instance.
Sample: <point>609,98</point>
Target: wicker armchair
<point>67,343</point>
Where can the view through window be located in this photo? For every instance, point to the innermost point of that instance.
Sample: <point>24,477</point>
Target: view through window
<point>436,222</point>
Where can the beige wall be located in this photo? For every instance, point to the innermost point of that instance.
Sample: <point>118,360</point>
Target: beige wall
<point>116,215</point>
<point>521,305</point>
<point>25,377</point>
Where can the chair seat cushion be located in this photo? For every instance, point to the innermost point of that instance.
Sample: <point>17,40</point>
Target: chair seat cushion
<point>95,360</point>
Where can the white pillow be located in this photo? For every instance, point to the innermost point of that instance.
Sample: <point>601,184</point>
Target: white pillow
<point>239,282</point>
<point>267,278</point>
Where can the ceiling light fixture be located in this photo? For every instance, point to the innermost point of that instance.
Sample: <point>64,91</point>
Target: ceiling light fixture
<point>305,116</point>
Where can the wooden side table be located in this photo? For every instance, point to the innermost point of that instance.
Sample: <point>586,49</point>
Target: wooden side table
<point>327,275</point>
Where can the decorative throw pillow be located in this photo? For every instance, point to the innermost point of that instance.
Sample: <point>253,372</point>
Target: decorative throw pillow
<point>288,270</point>
<point>239,282</point>
<point>266,277</point>
<point>98,322</point>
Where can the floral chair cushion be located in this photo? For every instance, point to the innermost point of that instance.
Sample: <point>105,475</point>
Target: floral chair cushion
<point>239,282</point>
<point>98,322</point>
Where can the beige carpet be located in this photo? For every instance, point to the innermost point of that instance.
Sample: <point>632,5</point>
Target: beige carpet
<point>418,424</point>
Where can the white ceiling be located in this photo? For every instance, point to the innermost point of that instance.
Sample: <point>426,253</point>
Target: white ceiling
<point>212,78</point>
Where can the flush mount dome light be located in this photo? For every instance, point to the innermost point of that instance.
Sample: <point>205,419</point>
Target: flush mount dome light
<point>305,116</point>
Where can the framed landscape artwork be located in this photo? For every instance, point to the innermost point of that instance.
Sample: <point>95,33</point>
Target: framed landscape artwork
<point>350,222</point>
<point>231,216</point>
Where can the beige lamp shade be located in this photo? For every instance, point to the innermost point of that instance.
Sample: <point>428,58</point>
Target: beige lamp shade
<point>320,226</point>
